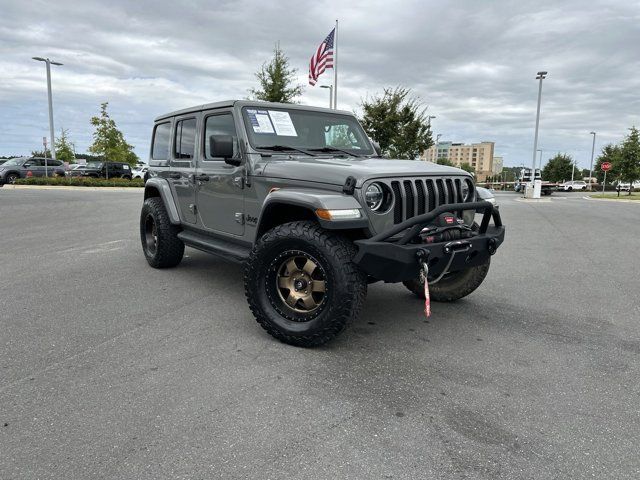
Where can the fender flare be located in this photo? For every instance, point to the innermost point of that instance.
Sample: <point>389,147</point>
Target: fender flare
<point>164,191</point>
<point>312,200</point>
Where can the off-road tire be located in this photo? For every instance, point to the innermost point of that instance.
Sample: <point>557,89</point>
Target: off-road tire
<point>169,249</point>
<point>346,284</point>
<point>453,286</point>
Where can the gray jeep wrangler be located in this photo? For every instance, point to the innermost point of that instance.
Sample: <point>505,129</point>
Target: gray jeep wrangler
<point>301,196</point>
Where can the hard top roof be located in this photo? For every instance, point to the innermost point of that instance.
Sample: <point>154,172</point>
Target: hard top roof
<point>243,103</point>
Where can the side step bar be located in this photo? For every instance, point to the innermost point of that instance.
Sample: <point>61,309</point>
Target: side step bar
<point>227,250</point>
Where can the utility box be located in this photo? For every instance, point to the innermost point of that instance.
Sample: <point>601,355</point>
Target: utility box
<point>537,188</point>
<point>528,190</point>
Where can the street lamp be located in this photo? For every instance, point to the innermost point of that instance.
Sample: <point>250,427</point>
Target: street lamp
<point>436,153</point>
<point>53,143</point>
<point>330,87</point>
<point>429,120</point>
<point>539,163</point>
<point>540,76</point>
<point>593,147</point>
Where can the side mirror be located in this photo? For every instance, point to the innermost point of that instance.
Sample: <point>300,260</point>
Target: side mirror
<point>376,147</point>
<point>221,146</point>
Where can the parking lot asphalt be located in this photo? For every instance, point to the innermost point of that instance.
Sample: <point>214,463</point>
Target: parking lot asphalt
<point>110,369</point>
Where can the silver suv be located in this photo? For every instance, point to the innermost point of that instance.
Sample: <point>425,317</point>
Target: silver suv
<point>302,197</point>
<point>23,167</point>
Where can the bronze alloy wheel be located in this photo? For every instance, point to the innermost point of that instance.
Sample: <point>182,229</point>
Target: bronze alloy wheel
<point>150,235</point>
<point>301,282</point>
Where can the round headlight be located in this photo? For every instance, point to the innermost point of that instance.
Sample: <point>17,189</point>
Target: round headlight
<point>374,196</point>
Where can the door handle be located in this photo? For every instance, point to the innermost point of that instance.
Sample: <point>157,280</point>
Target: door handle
<point>175,175</point>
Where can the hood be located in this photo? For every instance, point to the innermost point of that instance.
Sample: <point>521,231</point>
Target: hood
<point>335,170</point>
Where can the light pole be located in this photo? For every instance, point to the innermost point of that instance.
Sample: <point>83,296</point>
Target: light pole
<point>540,76</point>
<point>330,87</point>
<point>429,120</point>
<point>539,164</point>
<point>593,147</point>
<point>53,142</point>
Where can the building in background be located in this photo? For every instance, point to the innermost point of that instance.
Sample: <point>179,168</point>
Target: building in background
<point>478,155</point>
<point>498,164</point>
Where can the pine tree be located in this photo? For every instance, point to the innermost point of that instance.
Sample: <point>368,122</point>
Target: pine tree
<point>398,123</point>
<point>277,80</point>
<point>64,148</point>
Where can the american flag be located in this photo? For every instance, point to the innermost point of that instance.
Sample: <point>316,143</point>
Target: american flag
<point>322,59</point>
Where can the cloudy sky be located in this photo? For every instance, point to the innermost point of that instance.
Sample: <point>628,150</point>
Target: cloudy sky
<point>473,63</point>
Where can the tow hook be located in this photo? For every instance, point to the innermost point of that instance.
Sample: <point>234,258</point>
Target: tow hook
<point>492,246</point>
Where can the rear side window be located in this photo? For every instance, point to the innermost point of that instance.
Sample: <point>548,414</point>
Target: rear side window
<point>161,138</point>
<point>185,144</point>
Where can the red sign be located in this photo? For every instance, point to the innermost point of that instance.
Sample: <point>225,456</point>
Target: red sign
<point>605,166</point>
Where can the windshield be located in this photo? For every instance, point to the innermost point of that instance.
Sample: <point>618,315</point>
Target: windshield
<point>305,129</point>
<point>93,165</point>
<point>14,161</point>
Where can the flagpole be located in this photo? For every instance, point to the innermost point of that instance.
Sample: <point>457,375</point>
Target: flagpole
<point>335,68</point>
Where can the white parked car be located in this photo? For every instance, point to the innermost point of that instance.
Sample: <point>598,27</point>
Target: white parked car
<point>139,172</point>
<point>624,186</point>
<point>573,185</point>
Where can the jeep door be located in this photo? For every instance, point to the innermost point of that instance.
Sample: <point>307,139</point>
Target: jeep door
<point>182,166</point>
<point>220,185</point>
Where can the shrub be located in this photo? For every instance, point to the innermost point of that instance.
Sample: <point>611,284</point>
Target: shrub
<point>81,182</point>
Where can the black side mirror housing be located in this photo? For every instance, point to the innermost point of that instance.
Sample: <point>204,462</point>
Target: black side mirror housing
<point>221,146</point>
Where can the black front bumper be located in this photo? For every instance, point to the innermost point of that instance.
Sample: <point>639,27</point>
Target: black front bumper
<point>393,256</point>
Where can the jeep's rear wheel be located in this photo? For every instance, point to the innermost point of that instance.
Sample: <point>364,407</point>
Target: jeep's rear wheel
<point>160,243</point>
<point>453,286</point>
<point>302,285</point>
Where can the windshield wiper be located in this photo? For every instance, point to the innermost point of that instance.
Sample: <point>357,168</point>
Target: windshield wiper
<point>334,149</point>
<point>285,148</point>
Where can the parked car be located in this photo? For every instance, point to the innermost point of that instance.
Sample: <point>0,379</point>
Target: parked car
<point>573,185</point>
<point>2,160</point>
<point>96,169</point>
<point>486,195</point>
<point>624,186</point>
<point>138,172</point>
<point>16,168</point>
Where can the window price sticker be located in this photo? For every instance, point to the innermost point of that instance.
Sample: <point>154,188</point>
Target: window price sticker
<point>260,121</point>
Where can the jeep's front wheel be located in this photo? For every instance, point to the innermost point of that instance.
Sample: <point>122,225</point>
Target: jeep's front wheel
<point>453,286</point>
<point>302,285</point>
<point>160,243</point>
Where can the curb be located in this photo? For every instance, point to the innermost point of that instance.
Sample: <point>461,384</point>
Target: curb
<point>533,200</point>
<point>71,187</point>
<point>622,200</point>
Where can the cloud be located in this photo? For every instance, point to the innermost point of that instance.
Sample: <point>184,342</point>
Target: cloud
<point>473,64</point>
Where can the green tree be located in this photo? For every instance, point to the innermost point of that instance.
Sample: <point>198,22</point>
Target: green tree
<point>444,161</point>
<point>398,122</point>
<point>277,80</point>
<point>41,153</point>
<point>108,141</point>
<point>467,168</point>
<point>609,153</point>
<point>627,162</point>
<point>559,168</point>
<point>64,148</point>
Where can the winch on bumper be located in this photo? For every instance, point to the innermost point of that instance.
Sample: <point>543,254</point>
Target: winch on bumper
<point>396,255</point>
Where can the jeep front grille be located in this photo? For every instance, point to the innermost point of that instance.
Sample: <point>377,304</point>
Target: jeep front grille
<point>417,196</point>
